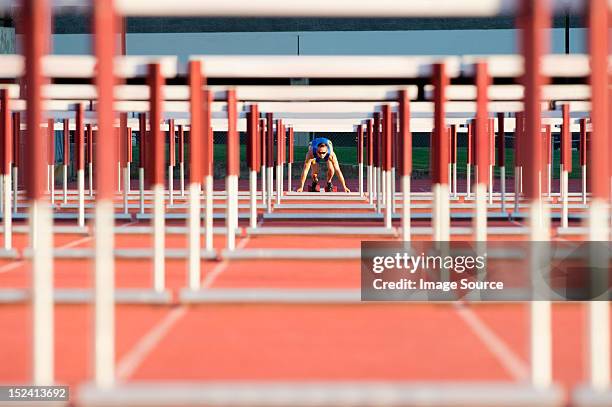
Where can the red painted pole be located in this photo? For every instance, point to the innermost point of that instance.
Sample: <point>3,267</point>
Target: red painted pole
<point>270,141</point>
<point>583,141</point>
<point>207,147</point>
<point>481,139</point>
<point>387,138</point>
<point>360,144</point>
<point>453,145</point>
<point>404,133</point>
<point>35,44</point>
<point>370,142</point>
<point>123,136</point>
<point>50,141</point>
<point>291,144</point>
<point>566,140</point>
<point>518,140</point>
<point>501,140</point>
<point>394,139</point>
<point>492,141</point>
<point>171,143</point>
<point>6,145</point>
<point>233,142</point>
<point>142,140</point>
<point>181,145</point>
<point>79,138</point>
<point>599,142</point>
<point>440,142</point>
<point>196,129</point>
<point>252,120</point>
<point>377,145</point>
<point>155,82</point>
<point>470,144</point>
<point>90,150</point>
<point>16,138</point>
<point>262,144</point>
<point>66,142</point>
<point>534,45</point>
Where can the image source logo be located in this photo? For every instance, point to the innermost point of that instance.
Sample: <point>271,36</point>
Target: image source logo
<point>485,271</point>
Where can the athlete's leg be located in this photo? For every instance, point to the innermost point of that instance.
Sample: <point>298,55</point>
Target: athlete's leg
<point>330,172</point>
<point>315,171</point>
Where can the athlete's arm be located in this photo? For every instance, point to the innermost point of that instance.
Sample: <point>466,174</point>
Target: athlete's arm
<point>334,160</point>
<point>307,163</point>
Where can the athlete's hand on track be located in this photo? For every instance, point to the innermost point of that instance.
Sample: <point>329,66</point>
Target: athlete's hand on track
<point>301,189</point>
<point>346,189</point>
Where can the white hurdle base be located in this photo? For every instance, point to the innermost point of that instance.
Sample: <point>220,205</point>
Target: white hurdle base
<point>290,254</point>
<point>86,296</point>
<point>586,396</point>
<point>308,394</point>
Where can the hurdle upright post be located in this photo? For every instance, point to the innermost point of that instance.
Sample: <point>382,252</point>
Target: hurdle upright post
<point>233,170</point>
<point>491,144</point>
<point>252,133</point>
<point>195,173</point>
<point>51,157</point>
<point>155,82</point>
<point>16,158</point>
<point>66,158</point>
<point>370,158</point>
<point>377,150</point>
<point>290,162</point>
<point>566,163</point>
<point>501,157</point>
<point>6,145</point>
<point>360,157</point>
<point>80,162</point>
<point>583,158</point>
<point>123,136</point>
<point>106,155</point>
<point>262,158</point>
<point>270,160</point>
<point>469,159</point>
<point>181,150</point>
<point>394,147</point>
<point>279,160</point>
<point>518,136</point>
<point>535,21</point>
<point>440,150</point>
<point>35,17</point>
<point>405,159</point>
<point>171,160</point>
<point>207,165</point>
<point>548,155</point>
<point>89,158</point>
<point>599,185</point>
<point>142,149</point>
<point>386,162</point>
<point>453,157</point>
<point>482,151</point>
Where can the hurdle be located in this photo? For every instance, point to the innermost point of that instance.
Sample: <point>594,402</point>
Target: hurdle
<point>491,145</point>
<point>290,162</point>
<point>207,167</point>
<point>481,151</point>
<point>181,151</point>
<point>377,161</point>
<point>518,136</point>
<point>51,158</point>
<point>66,162</point>
<point>252,154</point>
<point>501,157</point>
<point>142,148</point>
<point>370,159</point>
<point>440,155</point>
<point>548,144</point>
<point>597,391</point>
<point>470,160</point>
<point>583,158</point>
<point>565,164</point>
<point>6,147</point>
<point>405,160</point>
<point>16,158</point>
<point>453,160</point>
<point>387,130</point>
<point>171,160</point>
<point>359,130</point>
<point>80,162</point>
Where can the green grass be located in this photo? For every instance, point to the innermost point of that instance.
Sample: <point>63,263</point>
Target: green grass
<point>348,159</point>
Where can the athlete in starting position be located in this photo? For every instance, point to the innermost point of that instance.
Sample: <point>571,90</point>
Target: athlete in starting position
<point>321,150</point>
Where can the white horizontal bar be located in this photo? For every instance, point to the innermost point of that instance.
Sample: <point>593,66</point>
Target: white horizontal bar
<point>336,8</point>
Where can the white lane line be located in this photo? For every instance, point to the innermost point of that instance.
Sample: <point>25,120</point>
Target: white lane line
<point>511,362</point>
<point>134,358</point>
<point>11,266</point>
